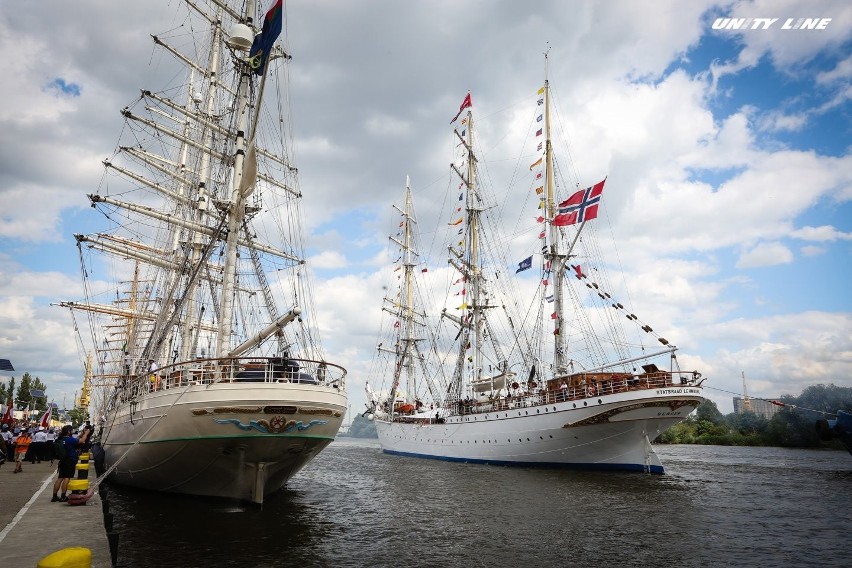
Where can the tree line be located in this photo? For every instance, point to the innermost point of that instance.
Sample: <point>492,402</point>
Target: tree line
<point>23,394</point>
<point>794,426</point>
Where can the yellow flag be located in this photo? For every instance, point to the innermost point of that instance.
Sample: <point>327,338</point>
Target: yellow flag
<point>539,190</point>
<point>540,91</point>
<point>536,163</point>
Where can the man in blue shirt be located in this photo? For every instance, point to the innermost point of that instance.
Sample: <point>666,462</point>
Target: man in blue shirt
<point>67,465</point>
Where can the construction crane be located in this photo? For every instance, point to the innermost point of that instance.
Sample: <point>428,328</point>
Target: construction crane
<point>746,399</point>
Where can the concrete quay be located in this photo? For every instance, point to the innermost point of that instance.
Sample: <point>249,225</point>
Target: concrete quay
<point>31,527</point>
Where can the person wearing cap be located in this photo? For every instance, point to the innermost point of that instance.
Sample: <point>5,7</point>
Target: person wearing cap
<point>39,445</point>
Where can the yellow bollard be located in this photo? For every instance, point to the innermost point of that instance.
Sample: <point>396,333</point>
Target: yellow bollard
<point>76,557</point>
<point>78,485</point>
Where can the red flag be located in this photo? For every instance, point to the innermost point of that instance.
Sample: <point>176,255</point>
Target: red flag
<point>582,206</point>
<point>465,104</point>
<point>579,271</point>
<point>45,418</point>
<point>8,416</point>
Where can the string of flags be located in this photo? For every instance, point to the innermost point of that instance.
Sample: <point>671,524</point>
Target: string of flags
<point>606,296</point>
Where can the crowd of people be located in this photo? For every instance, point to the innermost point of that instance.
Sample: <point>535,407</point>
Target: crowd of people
<point>24,442</point>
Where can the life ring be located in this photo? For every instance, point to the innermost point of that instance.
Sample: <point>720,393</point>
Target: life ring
<point>592,391</point>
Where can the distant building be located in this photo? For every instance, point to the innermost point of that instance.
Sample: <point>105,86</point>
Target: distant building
<point>758,406</point>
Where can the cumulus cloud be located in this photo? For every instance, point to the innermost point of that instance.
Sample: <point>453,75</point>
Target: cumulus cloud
<point>765,254</point>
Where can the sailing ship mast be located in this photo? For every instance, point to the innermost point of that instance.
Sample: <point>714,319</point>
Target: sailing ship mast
<point>468,262</point>
<point>553,257</point>
<point>403,307</point>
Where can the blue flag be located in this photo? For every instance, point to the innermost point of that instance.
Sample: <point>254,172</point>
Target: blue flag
<point>263,42</point>
<point>525,264</point>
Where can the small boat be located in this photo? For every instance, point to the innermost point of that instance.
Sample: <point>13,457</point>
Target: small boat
<point>506,376</point>
<point>209,377</point>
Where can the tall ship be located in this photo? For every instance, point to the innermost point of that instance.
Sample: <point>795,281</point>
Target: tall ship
<point>525,363</point>
<point>209,377</point>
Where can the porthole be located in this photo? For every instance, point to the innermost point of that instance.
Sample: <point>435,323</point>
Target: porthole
<point>585,403</point>
<point>599,401</point>
<point>575,405</point>
<point>537,411</point>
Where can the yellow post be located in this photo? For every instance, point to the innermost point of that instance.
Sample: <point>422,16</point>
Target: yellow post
<point>75,557</point>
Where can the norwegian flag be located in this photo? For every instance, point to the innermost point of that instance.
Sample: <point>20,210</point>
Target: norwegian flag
<point>582,206</point>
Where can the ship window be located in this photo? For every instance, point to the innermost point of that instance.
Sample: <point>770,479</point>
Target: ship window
<point>585,403</point>
<point>575,405</point>
<point>599,401</point>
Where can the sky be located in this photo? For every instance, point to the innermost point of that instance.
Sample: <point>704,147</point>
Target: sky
<point>726,152</point>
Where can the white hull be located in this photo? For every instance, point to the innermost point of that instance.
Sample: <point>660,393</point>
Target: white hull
<point>609,432</point>
<point>233,440</point>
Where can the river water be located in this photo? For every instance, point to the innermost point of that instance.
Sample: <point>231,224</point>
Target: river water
<point>354,506</point>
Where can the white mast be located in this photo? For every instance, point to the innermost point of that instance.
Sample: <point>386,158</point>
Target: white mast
<point>556,259</point>
<point>235,209</point>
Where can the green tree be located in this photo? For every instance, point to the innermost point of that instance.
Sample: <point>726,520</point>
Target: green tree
<point>708,411</point>
<point>24,397</point>
<point>792,429</point>
<point>747,423</point>
<point>10,390</point>
<point>78,416</point>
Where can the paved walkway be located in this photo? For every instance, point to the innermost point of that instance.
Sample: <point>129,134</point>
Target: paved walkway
<point>31,527</point>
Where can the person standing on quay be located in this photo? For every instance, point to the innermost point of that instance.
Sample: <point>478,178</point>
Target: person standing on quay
<point>67,464</point>
<point>22,444</point>
<point>39,445</point>
<point>7,441</point>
